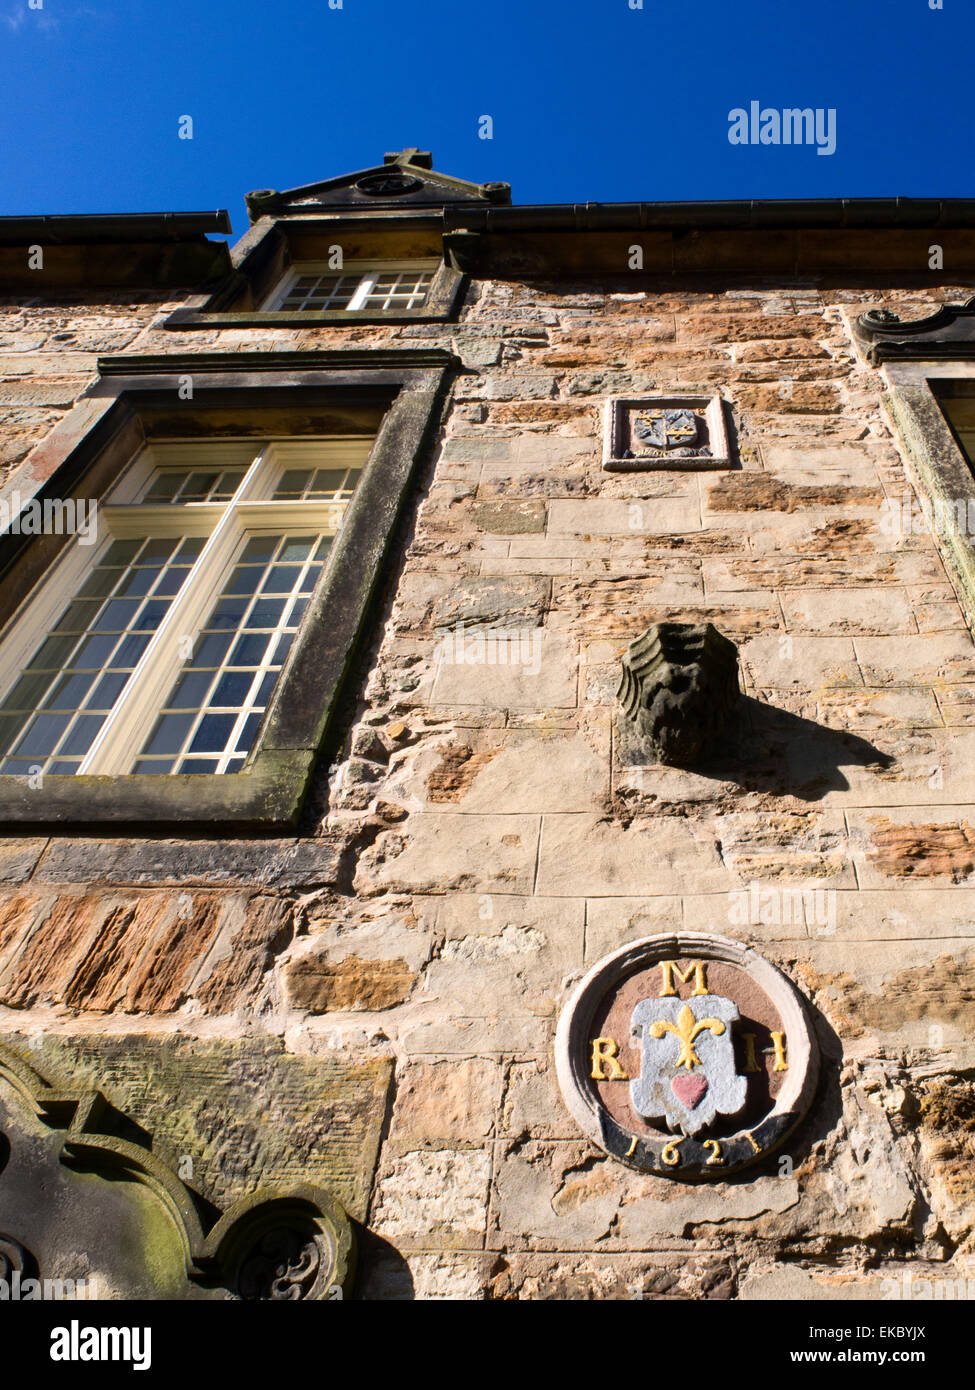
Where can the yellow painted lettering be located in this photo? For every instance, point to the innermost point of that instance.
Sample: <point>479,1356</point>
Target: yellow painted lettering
<point>697,968</point>
<point>604,1053</point>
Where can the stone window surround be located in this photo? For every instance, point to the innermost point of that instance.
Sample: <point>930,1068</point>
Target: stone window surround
<point>263,257</point>
<point>84,455</point>
<point>940,469</point>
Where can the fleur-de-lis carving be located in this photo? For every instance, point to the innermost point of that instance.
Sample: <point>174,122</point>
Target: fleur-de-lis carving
<point>685,1031</point>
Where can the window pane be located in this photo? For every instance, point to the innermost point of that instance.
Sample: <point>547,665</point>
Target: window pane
<point>110,627</point>
<point>216,707</point>
<point>164,487</point>
<point>382,289</point>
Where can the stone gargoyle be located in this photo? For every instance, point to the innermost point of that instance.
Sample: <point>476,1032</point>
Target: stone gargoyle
<point>678,689</point>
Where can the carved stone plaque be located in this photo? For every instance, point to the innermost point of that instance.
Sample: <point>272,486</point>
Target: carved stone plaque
<point>686,1055</point>
<point>678,432</point>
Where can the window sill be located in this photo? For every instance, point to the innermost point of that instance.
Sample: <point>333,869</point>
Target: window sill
<point>266,796</point>
<point>204,311</point>
<point>191,318</point>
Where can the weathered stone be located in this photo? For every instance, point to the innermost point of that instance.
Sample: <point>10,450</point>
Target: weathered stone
<point>440,1193</point>
<point>591,856</point>
<point>561,1193</point>
<point>18,859</point>
<point>39,394</point>
<point>543,675</point>
<point>446,1104</point>
<point>947,1110</point>
<point>467,853</point>
<point>323,986</point>
<point>497,940</point>
<point>149,953</point>
<point>759,492</point>
<point>280,863</point>
<point>492,602</point>
<point>679,689</point>
<point>510,518</point>
<point>244,1112</point>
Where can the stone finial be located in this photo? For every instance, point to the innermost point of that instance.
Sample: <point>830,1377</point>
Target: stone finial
<point>678,688</point>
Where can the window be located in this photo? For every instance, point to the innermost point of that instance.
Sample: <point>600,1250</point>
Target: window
<point>377,287</point>
<point>960,413</point>
<point>279,484</point>
<point>157,649</point>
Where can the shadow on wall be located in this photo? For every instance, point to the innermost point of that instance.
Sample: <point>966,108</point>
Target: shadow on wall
<point>764,749</point>
<point>782,753</point>
<point>383,1273</point>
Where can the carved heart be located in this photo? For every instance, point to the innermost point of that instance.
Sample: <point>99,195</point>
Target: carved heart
<point>688,1089</point>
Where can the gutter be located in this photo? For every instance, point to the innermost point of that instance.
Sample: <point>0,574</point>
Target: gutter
<point>111,228</point>
<point>885,213</point>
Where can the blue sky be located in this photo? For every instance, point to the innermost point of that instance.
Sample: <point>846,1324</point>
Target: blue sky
<point>591,100</point>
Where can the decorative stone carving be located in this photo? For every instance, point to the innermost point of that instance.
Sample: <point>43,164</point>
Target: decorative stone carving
<point>284,1247</point>
<point>15,1260</point>
<point>291,1243</point>
<point>946,334</point>
<point>674,432</point>
<point>686,1055</point>
<point>678,688</point>
<point>283,1265</point>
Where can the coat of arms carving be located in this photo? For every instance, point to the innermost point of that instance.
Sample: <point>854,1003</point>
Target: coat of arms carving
<point>673,432</point>
<point>686,1055</point>
<point>666,429</point>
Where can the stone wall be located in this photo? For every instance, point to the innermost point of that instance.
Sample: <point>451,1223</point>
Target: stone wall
<point>480,841</point>
<point>48,348</point>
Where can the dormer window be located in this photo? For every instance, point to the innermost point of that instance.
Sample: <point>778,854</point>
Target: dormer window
<point>388,222</point>
<point>377,287</point>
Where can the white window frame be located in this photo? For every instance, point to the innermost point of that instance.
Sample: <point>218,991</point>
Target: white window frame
<point>229,524</point>
<point>368,272</point>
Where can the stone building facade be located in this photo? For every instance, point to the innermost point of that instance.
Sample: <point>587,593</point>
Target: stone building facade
<point>319,995</point>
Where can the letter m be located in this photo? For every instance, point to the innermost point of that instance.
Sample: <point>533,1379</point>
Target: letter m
<point>116,1343</point>
<point>798,126</point>
<point>670,968</point>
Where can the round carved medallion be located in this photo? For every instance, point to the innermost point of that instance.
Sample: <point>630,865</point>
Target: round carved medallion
<point>686,1055</point>
<point>388,185</point>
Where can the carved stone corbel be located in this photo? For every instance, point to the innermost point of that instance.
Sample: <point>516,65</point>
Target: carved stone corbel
<point>678,689</point>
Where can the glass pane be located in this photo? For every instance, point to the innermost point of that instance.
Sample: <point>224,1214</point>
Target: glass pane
<point>327,482</point>
<point>70,691</point>
<point>82,735</point>
<point>215,709</point>
<point>298,548</point>
<point>164,487</point>
<point>198,487</point>
<point>41,715</point>
<point>169,734</point>
<point>228,484</point>
<point>293,483</point>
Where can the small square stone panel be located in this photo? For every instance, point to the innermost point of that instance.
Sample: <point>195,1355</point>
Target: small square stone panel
<point>665,432</point>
